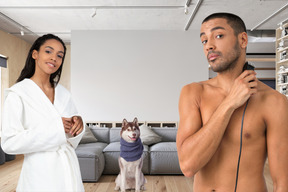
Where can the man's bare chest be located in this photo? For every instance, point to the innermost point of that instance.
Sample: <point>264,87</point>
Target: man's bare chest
<point>251,120</point>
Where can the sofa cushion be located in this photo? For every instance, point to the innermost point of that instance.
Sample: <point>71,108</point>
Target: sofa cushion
<point>101,133</point>
<point>167,134</point>
<point>163,146</point>
<point>115,134</point>
<point>148,136</point>
<point>115,146</point>
<point>91,160</point>
<point>91,168</point>
<point>90,149</point>
<point>164,159</point>
<point>2,155</point>
<point>88,136</point>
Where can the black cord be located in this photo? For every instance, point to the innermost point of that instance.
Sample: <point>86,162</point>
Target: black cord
<point>240,146</point>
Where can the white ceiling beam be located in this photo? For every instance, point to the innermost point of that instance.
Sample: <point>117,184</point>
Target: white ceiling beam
<point>16,24</point>
<point>92,6</point>
<point>193,14</point>
<point>275,13</point>
<point>188,2</point>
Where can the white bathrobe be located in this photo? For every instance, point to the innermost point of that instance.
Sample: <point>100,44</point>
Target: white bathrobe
<point>32,126</point>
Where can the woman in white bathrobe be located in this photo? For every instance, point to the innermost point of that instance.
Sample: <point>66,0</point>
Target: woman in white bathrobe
<point>41,122</point>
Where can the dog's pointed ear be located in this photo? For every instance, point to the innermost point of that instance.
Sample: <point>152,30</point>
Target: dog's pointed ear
<point>135,121</point>
<point>124,122</point>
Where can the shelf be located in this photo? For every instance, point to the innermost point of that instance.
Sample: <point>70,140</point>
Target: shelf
<point>283,49</point>
<point>110,124</point>
<point>264,59</point>
<point>264,68</point>
<point>281,87</point>
<point>120,124</point>
<point>282,61</point>
<point>285,24</point>
<point>285,37</point>
<point>284,72</point>
<point>266,79</point>
<point>280,84</point>
<point>161,124</point>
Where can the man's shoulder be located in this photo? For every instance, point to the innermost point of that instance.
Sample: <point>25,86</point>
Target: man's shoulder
<point>272,98</point>
<point>196,86</point>
<point>267,92</point>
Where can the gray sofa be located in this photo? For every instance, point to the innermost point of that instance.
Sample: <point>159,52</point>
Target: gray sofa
<point>5,157</point>
<point>101,157</point>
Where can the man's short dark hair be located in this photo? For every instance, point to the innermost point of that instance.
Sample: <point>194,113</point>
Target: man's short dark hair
<point>233,20</point>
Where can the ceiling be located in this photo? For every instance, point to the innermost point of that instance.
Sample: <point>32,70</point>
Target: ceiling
<point>60,17</point>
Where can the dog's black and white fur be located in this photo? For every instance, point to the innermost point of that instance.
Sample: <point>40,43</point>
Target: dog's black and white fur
<point>130,160</point>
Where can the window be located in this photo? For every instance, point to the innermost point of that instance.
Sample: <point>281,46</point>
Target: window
<point>3,61</point>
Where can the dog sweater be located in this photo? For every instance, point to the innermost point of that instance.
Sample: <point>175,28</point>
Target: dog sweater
<point>131,151</point>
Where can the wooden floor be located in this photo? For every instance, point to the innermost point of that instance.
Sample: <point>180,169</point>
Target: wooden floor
<point>154,184</point>
<point>9,174</point>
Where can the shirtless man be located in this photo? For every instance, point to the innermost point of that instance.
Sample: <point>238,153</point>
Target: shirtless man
<point>208,139</point>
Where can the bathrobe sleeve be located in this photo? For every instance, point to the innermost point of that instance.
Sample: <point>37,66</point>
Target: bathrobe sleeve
<point>70,111</point>
<point>17,139</point>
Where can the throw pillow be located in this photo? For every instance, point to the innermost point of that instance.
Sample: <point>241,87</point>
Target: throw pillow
<point>148,136</point>
<point>88,136</point>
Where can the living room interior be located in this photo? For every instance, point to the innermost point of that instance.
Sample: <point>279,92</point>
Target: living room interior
<point>129,59</point>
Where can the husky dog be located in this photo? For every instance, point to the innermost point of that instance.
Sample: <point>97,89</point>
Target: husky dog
<point>130,160</point>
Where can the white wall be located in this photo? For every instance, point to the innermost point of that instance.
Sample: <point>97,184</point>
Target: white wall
<point>127,74</point>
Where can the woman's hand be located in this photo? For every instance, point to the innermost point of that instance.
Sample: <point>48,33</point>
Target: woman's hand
<point>67,123</point>
<point>73,125</point>
<point>77,125</point>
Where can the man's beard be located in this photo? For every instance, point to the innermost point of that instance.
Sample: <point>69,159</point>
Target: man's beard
<point>228,63</point>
